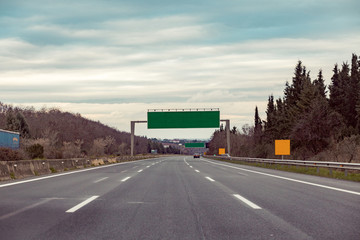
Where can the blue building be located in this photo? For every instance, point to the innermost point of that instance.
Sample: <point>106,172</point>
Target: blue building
<point>9,139</point>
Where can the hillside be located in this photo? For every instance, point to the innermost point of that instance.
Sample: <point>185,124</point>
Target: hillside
<point>64,134</point>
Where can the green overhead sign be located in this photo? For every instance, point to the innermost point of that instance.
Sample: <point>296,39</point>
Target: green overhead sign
<point>157,119</point>
<point>195,145</point>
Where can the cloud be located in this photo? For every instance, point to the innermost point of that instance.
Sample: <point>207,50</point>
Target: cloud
<point>119,32</point>
<point>189,73</point>
<point>214,96</point>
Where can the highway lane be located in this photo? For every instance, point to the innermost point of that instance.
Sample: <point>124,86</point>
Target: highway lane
<point>180,198</point>
<point>31,207</point>
<point>321,212</point>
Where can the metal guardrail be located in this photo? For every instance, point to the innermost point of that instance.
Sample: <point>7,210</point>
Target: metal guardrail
<point>318,164</point>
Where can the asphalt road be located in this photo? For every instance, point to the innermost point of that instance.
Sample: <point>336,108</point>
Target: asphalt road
<point>179,198</point>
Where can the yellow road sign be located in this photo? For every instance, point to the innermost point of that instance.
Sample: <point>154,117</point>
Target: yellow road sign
<point>282,147</point>
<point>221,151</point>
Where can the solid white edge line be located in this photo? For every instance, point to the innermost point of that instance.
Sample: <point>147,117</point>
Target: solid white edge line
<point>125,179</point>
<point>101,179</point>
<point>244,200</point>
<point>68,173</point>
<point>210,179</point>
<point>80,205</point>
<point>289,179</point>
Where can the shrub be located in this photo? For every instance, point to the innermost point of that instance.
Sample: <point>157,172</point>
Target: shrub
<point>72,149</point>
<point>35,151</point>
<point>98,147</point>
<point>7,154</point>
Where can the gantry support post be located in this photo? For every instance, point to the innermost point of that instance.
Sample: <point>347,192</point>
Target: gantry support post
<point>227,129</point>
<point>132,126</point>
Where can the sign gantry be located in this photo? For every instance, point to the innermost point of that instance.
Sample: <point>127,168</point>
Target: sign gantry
<point>182,118</point>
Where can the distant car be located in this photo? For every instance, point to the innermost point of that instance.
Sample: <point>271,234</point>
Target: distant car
<point>196,155</point>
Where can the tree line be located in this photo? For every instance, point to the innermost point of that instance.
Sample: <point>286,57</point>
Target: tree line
<point>323,123</point>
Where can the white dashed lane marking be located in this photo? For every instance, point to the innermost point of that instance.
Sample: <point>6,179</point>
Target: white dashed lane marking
<point>125,179</point>
<point>80,205</point>
<point>210,179</point>
<point>247,202</point>
<point>101,179</point>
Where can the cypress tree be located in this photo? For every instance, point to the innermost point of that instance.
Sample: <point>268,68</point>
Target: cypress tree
<point>280,125</point>
<point>336,90</point>
<point>306,98</point>
<point>293,95</point>
<point>355,75</point>
<point>344,92</point>
<point>270,119</point>
<point>353,92</point>
<point>349,101</point>
<point>320,85</point>
<point>258,125</point>
<point>270,111</point>
<point>341,104</point>
<point>292,92</point>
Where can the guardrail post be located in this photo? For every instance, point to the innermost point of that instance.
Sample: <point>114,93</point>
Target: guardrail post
<point>346,172</point>
<point>317,170</point>
<point>330,171</point>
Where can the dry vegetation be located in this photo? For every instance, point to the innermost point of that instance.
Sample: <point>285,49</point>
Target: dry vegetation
<point>64,134</point>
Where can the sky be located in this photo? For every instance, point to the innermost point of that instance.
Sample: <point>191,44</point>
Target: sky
<point>113,60</point>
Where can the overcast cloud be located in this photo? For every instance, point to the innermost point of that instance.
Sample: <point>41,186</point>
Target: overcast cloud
<point>113,60</point>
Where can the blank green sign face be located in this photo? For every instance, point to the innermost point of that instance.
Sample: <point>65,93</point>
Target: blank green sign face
<point>195,145</point>
<point>185,119</point>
